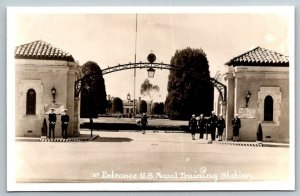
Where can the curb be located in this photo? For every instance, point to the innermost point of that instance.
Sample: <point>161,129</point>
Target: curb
<point>59,139</point>
<point>237,143</point>
<point>64,140</point>
<point>69,140</point>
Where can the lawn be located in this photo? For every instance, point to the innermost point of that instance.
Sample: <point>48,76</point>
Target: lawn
<point>112,123</point>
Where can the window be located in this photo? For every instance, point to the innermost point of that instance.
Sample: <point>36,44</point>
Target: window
<point>269,102</point>
<point>268,108</point>
<point>30,102</point>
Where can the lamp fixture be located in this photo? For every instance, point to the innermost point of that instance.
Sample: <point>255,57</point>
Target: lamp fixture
<point>151,58</point>
<point>53,92</point>
<point>247,97</point>
<point>151,72</point>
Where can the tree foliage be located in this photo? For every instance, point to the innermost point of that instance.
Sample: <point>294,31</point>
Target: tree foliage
<point>148,89</point>
<point>158,108</point>
<point>143,106</point>
<point>189,88</point>
<point>117,105</point>
<point>93,94</point>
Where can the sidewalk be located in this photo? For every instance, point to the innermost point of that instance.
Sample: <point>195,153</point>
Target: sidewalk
<point>85,137</point>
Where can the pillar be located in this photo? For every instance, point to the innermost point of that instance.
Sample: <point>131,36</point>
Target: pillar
<point>76,122</point>
<point>229,105</point>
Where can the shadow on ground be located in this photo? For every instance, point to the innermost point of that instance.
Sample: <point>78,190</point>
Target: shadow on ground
<point>112,139</point>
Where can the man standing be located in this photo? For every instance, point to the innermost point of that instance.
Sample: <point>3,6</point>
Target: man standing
<point>52,121</point>
<point>144,122</point>
<point>201,125</point>
<point>211,125</point>
<point>64,123</point>
<point>236,125</point>
<point>220,126</point>
<point>193,126</point>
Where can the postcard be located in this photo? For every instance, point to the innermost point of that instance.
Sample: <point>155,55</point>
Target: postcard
<point>150,98</point>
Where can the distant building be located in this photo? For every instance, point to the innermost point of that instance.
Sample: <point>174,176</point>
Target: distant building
<point>258,90</point>
<point>40,69</point>
<point>128,105</point>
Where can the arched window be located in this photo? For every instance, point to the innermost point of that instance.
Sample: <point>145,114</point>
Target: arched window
<point>30,102</point>
<point>268,108</point>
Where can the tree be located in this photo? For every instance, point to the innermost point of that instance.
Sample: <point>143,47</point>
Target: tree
<point>117,105</point>
<point>93,94</point>
<point>148,89</point>
<point>189,88</point>
<point>143,106</point>
<point>158,108</point>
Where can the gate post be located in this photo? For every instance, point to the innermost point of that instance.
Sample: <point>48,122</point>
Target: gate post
<point>224,113</point>
<point>229,105</point>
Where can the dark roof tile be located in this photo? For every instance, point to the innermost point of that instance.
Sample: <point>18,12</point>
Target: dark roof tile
<point>260,57</point>
<point>41,50</point>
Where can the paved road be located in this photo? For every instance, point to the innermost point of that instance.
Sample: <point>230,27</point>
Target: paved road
<point>158,157</point>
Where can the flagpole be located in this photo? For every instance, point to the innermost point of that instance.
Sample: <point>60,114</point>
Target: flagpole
<point>134,72</point>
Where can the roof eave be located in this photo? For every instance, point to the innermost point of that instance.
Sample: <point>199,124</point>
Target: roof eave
<point>262,64</point>
<point>68,59</point>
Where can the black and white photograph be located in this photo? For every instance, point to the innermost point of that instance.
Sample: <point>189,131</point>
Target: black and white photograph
<point>150,98</point>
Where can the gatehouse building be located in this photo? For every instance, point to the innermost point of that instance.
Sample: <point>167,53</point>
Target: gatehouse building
<point>45,78</point>
<point>258,91</point>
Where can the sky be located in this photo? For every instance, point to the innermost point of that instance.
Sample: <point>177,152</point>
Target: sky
<point>109,39</point>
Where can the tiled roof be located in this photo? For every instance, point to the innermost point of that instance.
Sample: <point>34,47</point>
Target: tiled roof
<point>260,57</point>
<point>41,50</point>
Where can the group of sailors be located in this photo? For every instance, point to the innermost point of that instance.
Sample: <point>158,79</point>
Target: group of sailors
<point>64,123</point>
<point>213,125</point>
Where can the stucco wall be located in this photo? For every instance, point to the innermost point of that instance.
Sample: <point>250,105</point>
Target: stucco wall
<point>255,80</point>
<point>42,75</point>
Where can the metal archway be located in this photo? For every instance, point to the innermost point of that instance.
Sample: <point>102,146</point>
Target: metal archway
<point>141,65</point>
<point>220,87</point>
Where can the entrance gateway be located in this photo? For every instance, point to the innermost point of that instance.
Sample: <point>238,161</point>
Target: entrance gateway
<point>150,66</point>
<point>264,100</point>
<point>256,88</point>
